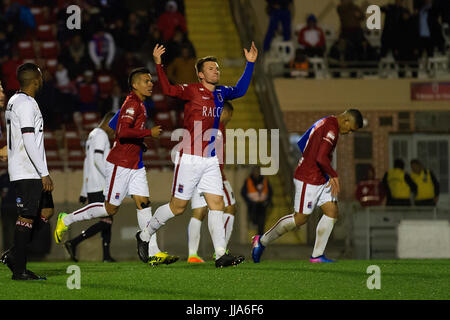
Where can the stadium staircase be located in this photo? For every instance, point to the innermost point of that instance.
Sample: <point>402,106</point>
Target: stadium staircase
<point>213,32</point>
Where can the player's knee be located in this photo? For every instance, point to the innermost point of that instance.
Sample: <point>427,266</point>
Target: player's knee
<point>177,207</point>
<point>300,218</point>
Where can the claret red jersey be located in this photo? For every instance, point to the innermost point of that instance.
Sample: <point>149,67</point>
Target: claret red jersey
<point>317,145</point>
<point>130,133</point>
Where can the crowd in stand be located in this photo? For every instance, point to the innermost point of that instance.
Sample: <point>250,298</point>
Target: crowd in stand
<point>406,35</point>
<point>86,70</point>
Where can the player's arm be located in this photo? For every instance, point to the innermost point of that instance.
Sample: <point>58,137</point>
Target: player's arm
<point>83,192</point>
<point>178,91</point>
<point>324,162</point>
<point>244,82</point>
<point>125,125</point>
<point>26,121</point>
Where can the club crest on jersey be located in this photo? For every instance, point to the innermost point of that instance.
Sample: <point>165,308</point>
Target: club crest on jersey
<point>117,196</point>
<point>219,97</point>
<point>180,188</point>
<point>331,135</point>
<point>309,205</point>
<point>19,202</point>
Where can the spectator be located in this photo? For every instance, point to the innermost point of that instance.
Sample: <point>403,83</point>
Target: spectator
<point>405,48</point>
<point>20,16</point>
<point>278,11</point>
<point>298,67</point>
<point>182,69</point>
<point>398,185</point>
<point>257,193</point>
<point>427,185</point>
<point>369,191</point>
<point>311,38</point>
<point>123,66</point>
<point>170,20</point>
<point>341,54</point>
<point>88,92</point>
<point>75,57</point>
<point>63,82</point>
<point>9,68</point>
<point>394,16</point>
<point>367,55</point>
<point>136,29</point>
<point>8,209</point>
<point>430,31</point>
<point>351,16</point>
<point>102,49</point>
<point>5,47</point>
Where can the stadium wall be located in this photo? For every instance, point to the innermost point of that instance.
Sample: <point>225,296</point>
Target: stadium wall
<point>305,101</point>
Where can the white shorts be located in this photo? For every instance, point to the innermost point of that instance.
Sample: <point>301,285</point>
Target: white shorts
<point>198,200</point>
<point>308,196</point>
<point>194,172</point>
<point>121,182</point>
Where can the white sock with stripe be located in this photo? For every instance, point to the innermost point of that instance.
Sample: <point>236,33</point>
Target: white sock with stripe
<point>323,232</point>
<point>215,224</point>
<point>144,216</point>
<point>194,228</point>
<point>284,225</point>
<point>161,216</point>
<point>91,211</point>
<point>228,221</point>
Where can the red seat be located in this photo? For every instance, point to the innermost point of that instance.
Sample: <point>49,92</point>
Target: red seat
<point>45,32</point>
<point>50,142</point>
<point>73,140</point>
<point>164,119</point>
<point>76,159</point>
<point>26,50</point>
<point>38,15</point>
<point>54,162</point>
<point>49,49</point>
<point>52,65</point>
<point>105,85</point>
<point>165,140</point>
<point>90,120</point>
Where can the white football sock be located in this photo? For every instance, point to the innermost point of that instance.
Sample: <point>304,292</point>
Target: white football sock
<point>91,211</point>
<point>194,228</point>
<point>161,216</point>
<point>284,225</point>
<point>323,232</point>
<point>143,217</point>
<point>215,224</point>
<point>228,220</point>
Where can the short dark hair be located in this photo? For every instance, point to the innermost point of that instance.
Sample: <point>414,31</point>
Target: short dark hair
<point>356,114</point>
<point>416,161</point>
<point>201,61</point>
<point>398,163</point>
<point>134,73</point>
<point>26,73</point>
<point>228,105</point>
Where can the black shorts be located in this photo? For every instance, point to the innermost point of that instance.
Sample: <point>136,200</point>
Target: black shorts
<point>96,197</point>
<point>31,198</point>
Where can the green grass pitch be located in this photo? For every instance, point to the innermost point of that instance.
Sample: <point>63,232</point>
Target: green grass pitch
<point>268,280</point>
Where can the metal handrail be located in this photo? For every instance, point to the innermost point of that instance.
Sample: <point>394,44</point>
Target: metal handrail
<point>268,101</point>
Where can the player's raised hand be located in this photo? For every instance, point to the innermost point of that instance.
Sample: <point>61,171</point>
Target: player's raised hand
<point>252,54</point>
<point>158,51</point>
<point>156,131</point>
<point>335,189</point>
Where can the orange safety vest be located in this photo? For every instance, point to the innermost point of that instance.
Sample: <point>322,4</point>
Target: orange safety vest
<point>258,193</point>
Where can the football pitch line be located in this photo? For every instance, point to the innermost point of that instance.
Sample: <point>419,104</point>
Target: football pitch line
<point>268,280</point>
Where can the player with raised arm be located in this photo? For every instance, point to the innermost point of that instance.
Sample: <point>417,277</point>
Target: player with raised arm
<point>27,168</point>
<point>123,172</point>
<point>196,164</point>
<point>198,203</point>
<point>316,184</point>
<point>97,149</point>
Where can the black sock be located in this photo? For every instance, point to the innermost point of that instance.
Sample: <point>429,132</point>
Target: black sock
<point>22,236</point>
<point>106,236</point>
<point>89,232</point>
<point>40,242</point>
